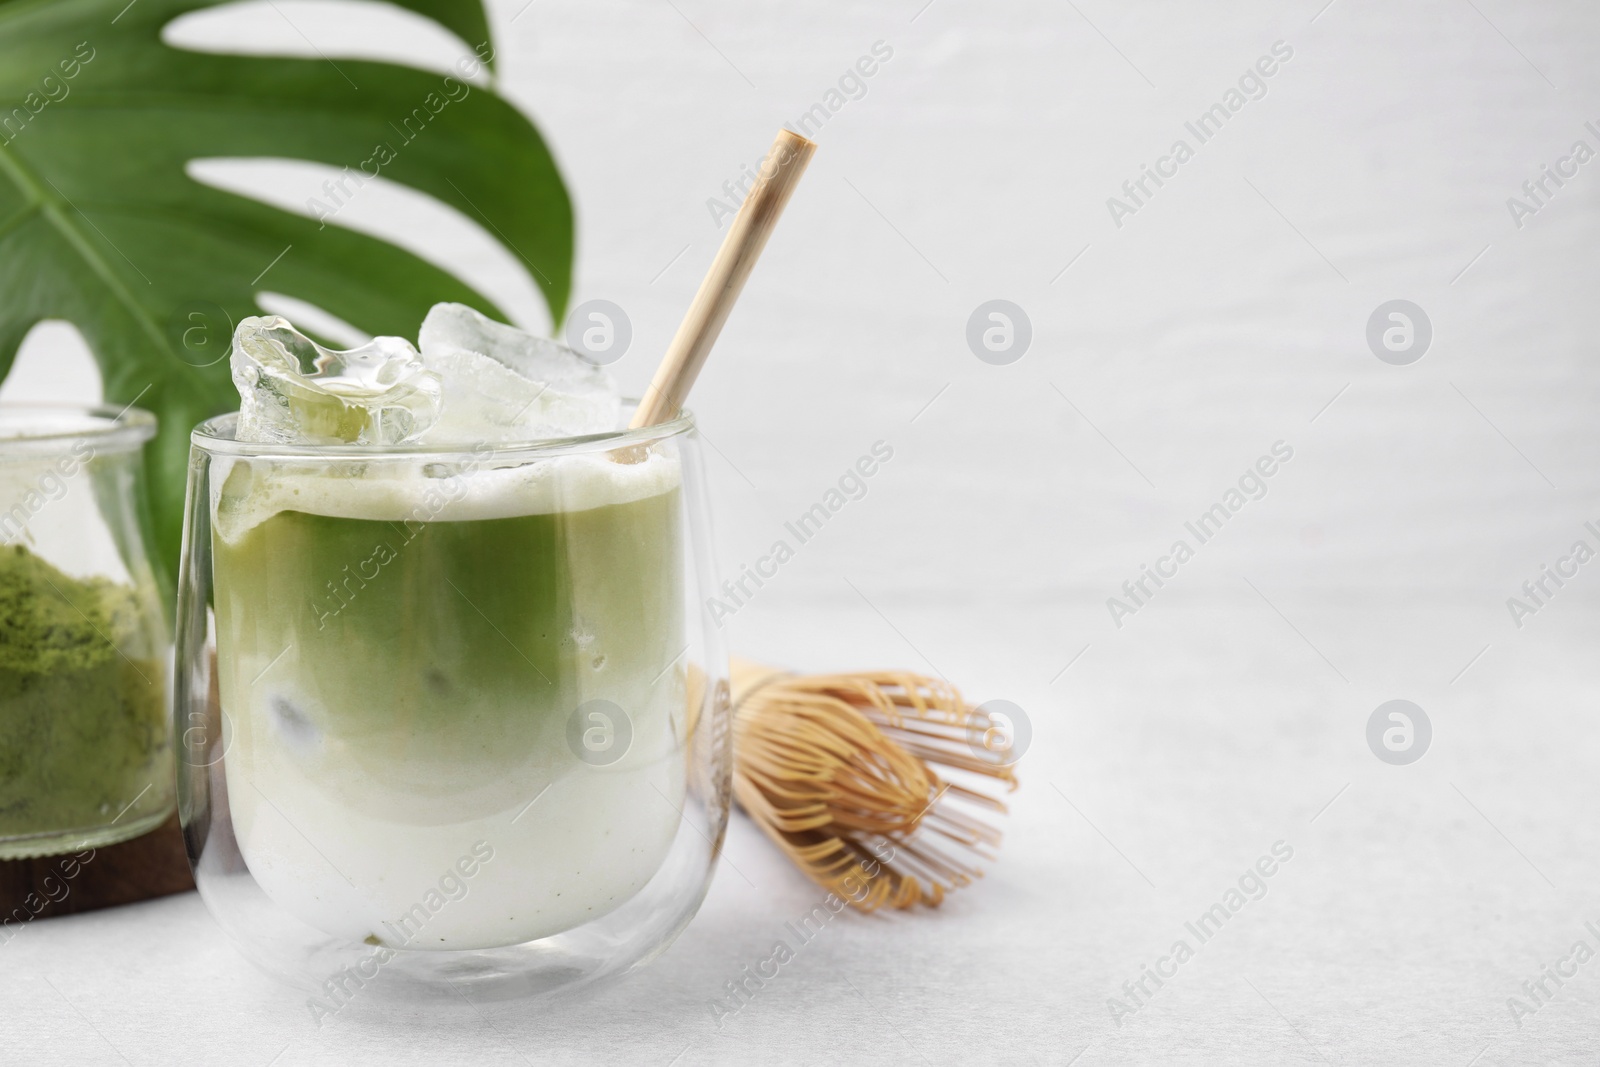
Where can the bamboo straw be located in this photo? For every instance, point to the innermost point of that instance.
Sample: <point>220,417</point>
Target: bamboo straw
<point>852,775</point>
<point>698,331</point>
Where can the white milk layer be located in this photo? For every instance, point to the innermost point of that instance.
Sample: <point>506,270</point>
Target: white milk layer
<point>571,848</point>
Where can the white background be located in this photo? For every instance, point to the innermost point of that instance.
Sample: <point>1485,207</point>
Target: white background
<point>1229,313</point>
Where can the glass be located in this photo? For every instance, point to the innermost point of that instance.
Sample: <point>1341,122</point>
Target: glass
<point>85,656</point>
<point>455,715</point>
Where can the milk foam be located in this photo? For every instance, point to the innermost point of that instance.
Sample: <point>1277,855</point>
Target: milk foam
<point>246,493</point>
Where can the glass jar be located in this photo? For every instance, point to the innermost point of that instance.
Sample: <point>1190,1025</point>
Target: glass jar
<point>85,657</point>
<point>455,715</point>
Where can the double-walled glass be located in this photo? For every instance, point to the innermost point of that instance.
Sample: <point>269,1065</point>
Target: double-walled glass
<point>450,716</point>
<point>85,657</point>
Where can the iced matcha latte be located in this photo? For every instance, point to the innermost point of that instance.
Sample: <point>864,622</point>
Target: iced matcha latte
<point>451,679</point>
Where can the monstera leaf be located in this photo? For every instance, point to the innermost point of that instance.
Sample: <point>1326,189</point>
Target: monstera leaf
<point>101,226</point>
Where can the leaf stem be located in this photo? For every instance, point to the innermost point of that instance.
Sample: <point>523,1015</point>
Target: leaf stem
<point>58,213</point>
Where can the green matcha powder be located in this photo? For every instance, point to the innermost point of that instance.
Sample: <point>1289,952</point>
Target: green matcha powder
<point>82,701</point>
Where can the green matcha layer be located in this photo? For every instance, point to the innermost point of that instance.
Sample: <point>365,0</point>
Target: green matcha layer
<point>431,660</point>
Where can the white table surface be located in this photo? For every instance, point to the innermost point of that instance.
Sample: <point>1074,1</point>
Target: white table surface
<point>1168,354</point>
<point>1162,767</point>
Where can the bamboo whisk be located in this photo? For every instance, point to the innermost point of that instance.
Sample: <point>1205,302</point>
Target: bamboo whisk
<point>840,771</point>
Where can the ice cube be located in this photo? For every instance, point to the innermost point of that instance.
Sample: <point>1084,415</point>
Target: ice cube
<point>292,390</point>
<point>502,384</point>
